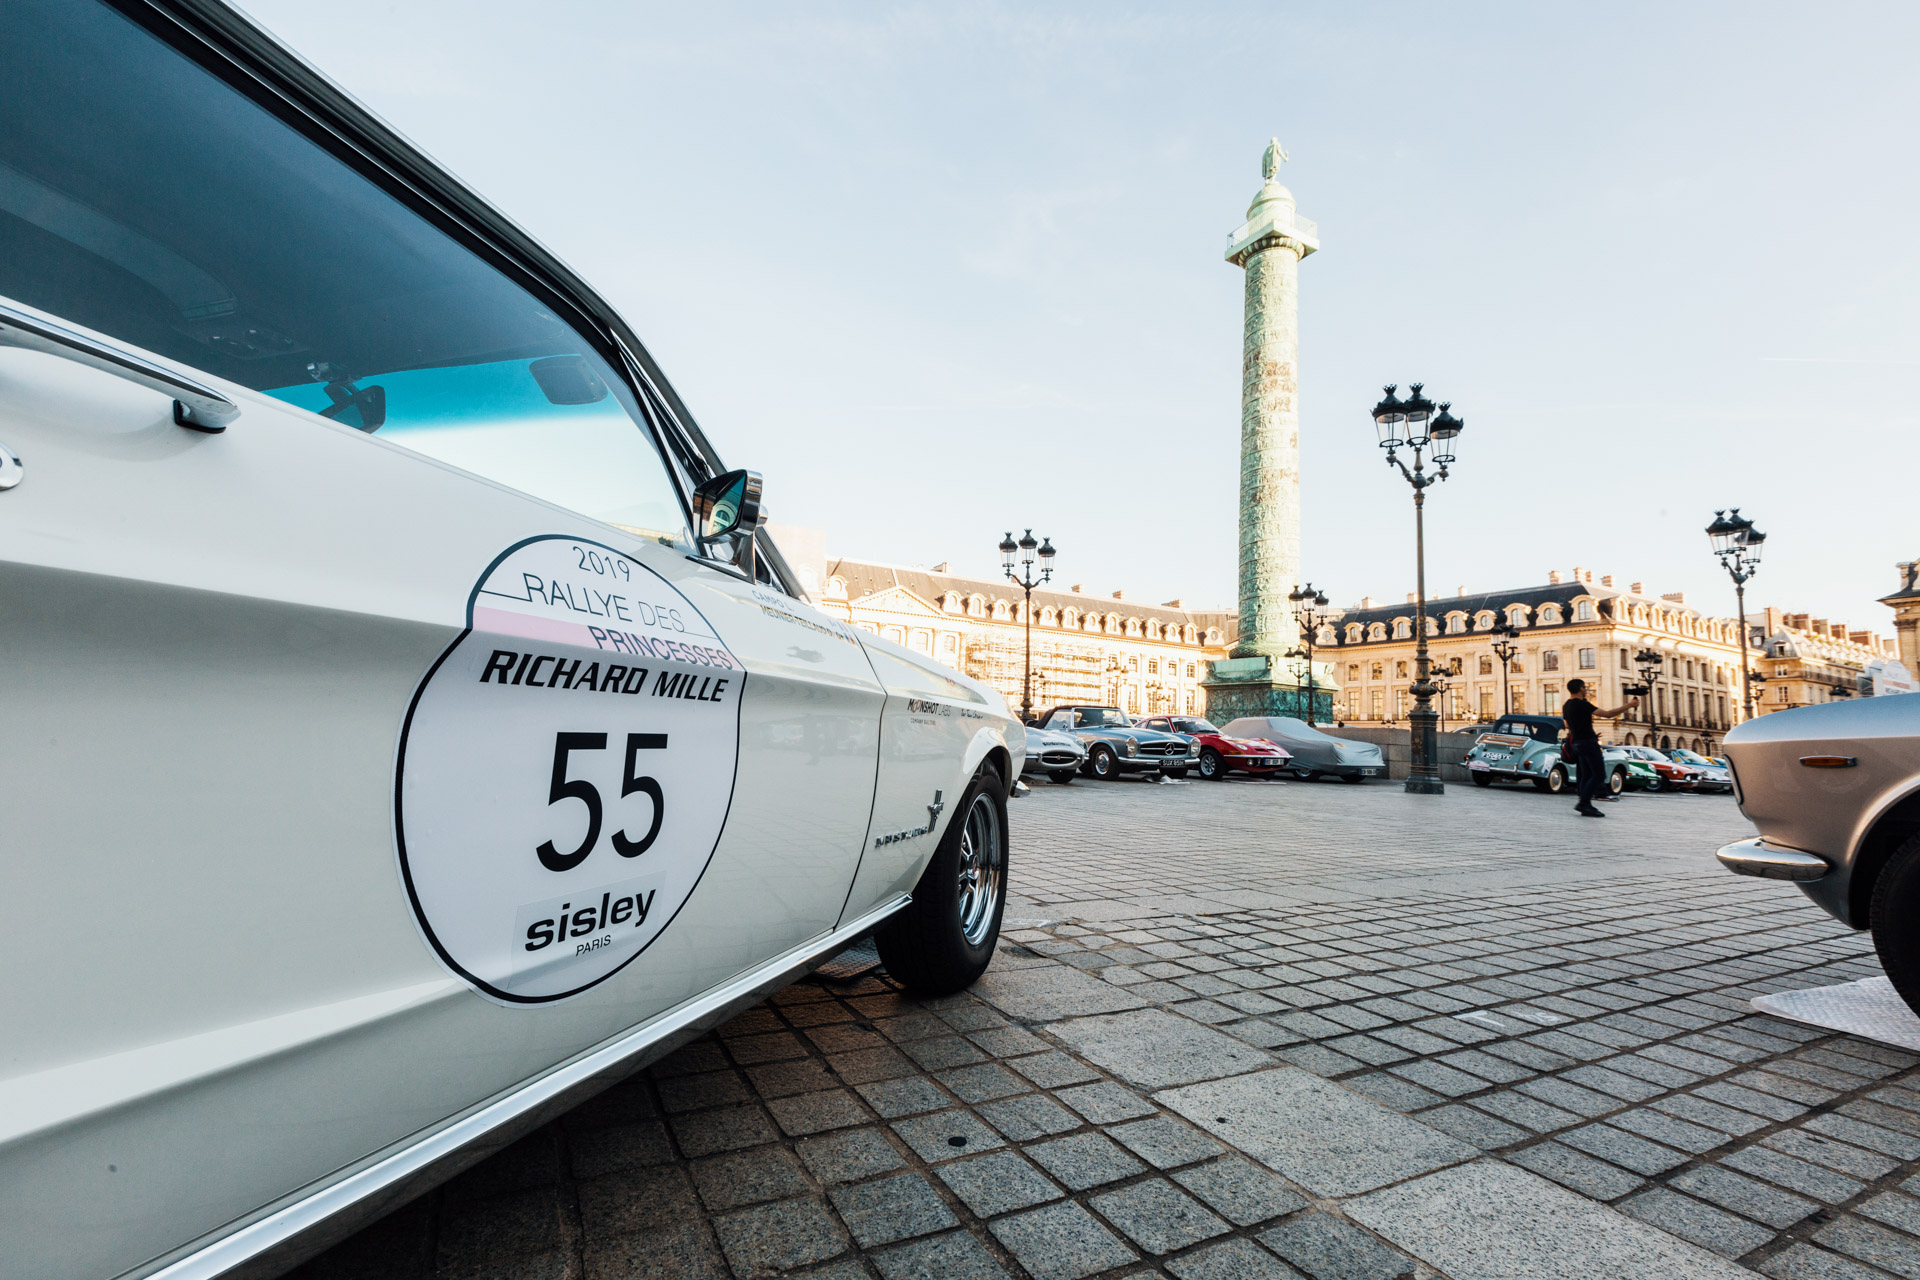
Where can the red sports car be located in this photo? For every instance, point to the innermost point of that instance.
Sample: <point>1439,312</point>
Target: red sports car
<point>1221,755</point>
<point>1673,776</point>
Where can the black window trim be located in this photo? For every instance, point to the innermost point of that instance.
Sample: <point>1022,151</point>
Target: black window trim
<point>242,55</point>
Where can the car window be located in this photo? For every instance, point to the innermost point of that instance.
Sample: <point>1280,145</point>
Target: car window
<point>1195,726</point>
<point>144,198</point>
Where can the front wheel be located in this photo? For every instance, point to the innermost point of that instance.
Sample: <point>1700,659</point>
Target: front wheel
<point>1556,780</point>
<point>1062,776</point>
<point>1656,783</point>
<point>1305,775</point>
<point>945,937</point>
<point>1891,915</point>
<point>1101,764</point>
<point>1212,767</point>
<point>1616,782</point>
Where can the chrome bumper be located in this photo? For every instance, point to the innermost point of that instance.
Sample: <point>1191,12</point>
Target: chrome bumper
<point>1756,857</point>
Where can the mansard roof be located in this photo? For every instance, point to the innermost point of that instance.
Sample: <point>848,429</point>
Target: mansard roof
<point>867,577</point>
<point>1563,594</point>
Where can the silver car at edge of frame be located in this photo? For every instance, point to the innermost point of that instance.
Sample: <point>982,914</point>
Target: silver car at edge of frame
<point>409,730</point>
<point>1835,793</point>
<point>1058,755</point>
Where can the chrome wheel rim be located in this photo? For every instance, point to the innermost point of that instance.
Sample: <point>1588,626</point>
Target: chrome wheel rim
<point>981,868</point>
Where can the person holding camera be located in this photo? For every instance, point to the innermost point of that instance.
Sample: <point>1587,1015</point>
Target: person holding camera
<point>1583,744</point>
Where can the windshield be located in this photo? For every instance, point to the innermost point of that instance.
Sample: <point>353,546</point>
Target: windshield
<point>1102,718</point>
<point>1688,757</point>
<point>1194,726</point>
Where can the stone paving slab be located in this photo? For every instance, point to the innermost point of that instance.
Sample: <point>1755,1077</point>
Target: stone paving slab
<point>1327,1139</point>
<point>1490,1221</point>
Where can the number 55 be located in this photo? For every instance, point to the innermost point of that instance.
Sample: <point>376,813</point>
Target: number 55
<point>561,787</point>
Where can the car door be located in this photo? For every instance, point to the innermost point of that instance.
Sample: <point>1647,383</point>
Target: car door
<point>377,739</point>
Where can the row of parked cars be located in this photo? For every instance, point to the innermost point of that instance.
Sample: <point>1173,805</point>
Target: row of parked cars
<point>1528,749</point>
<point>1105,742</point>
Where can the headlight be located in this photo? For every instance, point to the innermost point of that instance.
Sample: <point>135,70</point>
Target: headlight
<point>1133,747</point>
<point>1193,749</point>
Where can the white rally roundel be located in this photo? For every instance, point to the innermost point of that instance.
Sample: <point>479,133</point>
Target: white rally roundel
<point>565,770</point>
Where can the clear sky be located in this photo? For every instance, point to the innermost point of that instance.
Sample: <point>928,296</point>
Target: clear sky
<point>942,270</point>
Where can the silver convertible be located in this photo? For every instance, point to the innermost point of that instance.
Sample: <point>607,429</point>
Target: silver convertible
<point>408,727</point>
<point>1835,793</point>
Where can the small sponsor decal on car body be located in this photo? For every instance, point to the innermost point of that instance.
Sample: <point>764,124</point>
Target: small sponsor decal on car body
<point>564,770</point>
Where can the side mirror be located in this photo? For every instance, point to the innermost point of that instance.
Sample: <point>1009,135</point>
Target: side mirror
<point>728,506</point>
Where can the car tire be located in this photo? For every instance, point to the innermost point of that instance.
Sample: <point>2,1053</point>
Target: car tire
<point>1656,783</point>
<point>1891,914</point>
<point>944,938</point>
<point>1175,773</point>
<point>1102,764</point>
<point>1556,780</point>
<point>1352,777</point>
<point>1062,776</point>
<point>1482,779</point>
<point>1212,767</point>
<point>1616,782</point>
<point>1305,775</point>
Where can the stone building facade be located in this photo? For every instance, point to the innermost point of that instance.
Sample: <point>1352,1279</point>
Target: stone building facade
<point>1145,659</point>
<point>1808,660</point>
<point>1574,625</point>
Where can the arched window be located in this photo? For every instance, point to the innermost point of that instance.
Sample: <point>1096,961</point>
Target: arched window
<point>836,588</point>
<point>1377,631</point>
<point>1133,626</point>
<point>1213,635</point>
<point>1432,625</point>
<point>977,606</point>
<point>1048,617</point>
<point>1191,634</point>
<point>1583,611</point>
<point>1324,635</point>
<point>1483,621</point>
<point>1153,628</point>
<point>1549,615</point>
<point>1516,615</point>
<point>1070,619</point>
<point>1000,611</point>
<point>1403,628</point>
<point>1113,624</point>
<point>1456,623</point>
<point>1353,633</point>
<point>951,602</point>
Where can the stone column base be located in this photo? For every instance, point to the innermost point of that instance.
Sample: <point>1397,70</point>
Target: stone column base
<point>1238,687</point>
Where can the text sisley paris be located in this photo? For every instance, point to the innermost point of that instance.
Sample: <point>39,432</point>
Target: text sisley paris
<point>589,920</point>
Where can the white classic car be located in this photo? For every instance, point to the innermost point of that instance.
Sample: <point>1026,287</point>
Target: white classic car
<point>408,728</point>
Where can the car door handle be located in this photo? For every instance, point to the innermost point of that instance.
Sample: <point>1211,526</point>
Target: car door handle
<point>196,406</point>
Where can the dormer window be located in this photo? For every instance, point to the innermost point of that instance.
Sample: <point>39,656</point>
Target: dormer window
<point>1402,628</point>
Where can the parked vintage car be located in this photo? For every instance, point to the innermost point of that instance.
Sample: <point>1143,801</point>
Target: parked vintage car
<point>1714,776</point>
<point>1314,754</point>
<point>1528,749</point>
<point>408,729</point>
<point>1117,746</point>
<point>1834,791</point>
<point>1221,755</point>
<point>1058,755</point>
<point>1669,775</point>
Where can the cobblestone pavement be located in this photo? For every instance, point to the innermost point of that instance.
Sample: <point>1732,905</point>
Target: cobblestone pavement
<point>1261,1029</point>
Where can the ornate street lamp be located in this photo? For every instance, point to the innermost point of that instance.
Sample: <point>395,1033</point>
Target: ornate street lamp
<point>1650,661</point>
<point>1504,647</point>
<point>1412,424</point>
<point>1738,545</point>
<point>1023,552</point>
<point>1309,611</point>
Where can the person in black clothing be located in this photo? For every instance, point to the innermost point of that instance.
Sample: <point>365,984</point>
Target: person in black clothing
<point>1583,744</point>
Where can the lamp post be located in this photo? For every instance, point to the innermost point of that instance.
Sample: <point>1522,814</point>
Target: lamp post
<point>1023,552</point>
<point>1650,661</point>
<point>1738,544</point>
<point>1309,611</point>
<point>1412,424</point>
<point>1505,645</point>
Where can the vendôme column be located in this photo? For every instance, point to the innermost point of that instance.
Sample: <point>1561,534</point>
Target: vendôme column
<point>1259,679</point>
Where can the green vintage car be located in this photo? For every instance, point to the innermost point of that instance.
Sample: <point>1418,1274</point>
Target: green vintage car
<point>1527,749</point>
